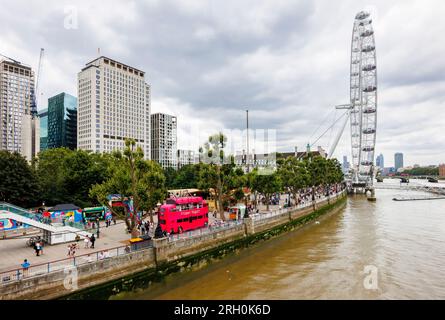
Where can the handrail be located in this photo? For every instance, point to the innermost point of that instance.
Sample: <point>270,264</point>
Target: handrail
<point>18,272</point>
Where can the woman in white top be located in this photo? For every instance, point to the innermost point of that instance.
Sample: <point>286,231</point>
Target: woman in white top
<point>86,242</point>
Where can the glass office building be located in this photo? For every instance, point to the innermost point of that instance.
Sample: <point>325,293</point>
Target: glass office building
<point>62,121</point>
<point>43,115</point>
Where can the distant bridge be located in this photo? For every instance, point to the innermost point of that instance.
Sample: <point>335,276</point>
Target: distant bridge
<point>433,189</point>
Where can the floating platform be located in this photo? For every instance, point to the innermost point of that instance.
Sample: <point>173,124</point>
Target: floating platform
<point>418,199</point>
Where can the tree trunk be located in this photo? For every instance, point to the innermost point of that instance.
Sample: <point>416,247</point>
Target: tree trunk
<point>296,201</point>
<point>267,202</point>
<point>134,232</point>
<point>219,193</point>
<point>151,216</point>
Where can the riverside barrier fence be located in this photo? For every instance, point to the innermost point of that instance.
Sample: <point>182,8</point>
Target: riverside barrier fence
<point>37,270</point>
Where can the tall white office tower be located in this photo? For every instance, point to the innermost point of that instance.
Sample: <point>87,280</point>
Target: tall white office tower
<point>113,104</point>
<point>164,140</point>
<point>19,128</point>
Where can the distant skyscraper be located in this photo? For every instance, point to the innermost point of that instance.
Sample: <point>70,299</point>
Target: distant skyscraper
<point>345,165</point>
<point>19,130</point>
<point>114,104</point>
<point>62,121</point>
<point>185,157</point>
<point>398,160</point>
<point>164,139</point>
<point>380,161</point>
<point>43,115</point>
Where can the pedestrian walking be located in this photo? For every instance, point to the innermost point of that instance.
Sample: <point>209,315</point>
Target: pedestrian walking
<point>114,220</point>
<point>25,266</point>
<point>86,242</point>
<point>92,239</point>
<point>41,247</point>
<point>37,248</point>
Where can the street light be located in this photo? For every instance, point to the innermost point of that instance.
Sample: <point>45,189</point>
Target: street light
<point>98,227</point>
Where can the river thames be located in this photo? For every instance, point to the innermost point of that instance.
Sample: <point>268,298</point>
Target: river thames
<point>401,242</point>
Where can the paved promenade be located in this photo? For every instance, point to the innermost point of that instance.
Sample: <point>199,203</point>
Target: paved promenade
<point>14,250</point>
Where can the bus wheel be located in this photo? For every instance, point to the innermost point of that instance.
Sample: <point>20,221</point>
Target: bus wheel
<point>180,230</point>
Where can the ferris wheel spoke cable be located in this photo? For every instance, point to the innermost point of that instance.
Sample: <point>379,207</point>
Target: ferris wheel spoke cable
<point>329,128</point>
<point>321,124</point>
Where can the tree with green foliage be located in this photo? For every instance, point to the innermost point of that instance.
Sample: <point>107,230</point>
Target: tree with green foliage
<point>220,173</point>
<point>423,171</point>
<point>294,175</point>
<point>51,173</point>
<point>188,176</point>
<point>267,185</point>
<point>170,177</point>
<point>82,170</point>
<point>185,177</point>
<point>334,173</point>
<point>133,177</point>
<point>317,167</point>
<point>249,179</point>
<point>152,188</point>
<point>65,176</point>
<point>18,181</point>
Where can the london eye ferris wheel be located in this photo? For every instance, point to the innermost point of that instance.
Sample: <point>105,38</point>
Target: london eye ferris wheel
<point>363,98</point>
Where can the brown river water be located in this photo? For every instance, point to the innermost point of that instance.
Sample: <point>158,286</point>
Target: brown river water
<point>400,245</point>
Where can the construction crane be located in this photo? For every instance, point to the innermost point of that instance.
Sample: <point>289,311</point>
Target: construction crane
<point>35,93</point>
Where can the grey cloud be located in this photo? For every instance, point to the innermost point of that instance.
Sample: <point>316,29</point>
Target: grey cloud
<point>287,61</point>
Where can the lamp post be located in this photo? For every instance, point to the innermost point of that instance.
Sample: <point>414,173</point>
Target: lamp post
<point>98,227</point>
<point>247,136</point>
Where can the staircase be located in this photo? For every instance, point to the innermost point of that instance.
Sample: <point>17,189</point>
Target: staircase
<point>51,234</point>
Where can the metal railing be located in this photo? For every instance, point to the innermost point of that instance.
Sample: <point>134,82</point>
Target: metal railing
<point>309,203</point>
<point>57,265</point>
<point>203,231</point>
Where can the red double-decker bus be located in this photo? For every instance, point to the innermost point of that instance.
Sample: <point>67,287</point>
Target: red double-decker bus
<point>183,214</point>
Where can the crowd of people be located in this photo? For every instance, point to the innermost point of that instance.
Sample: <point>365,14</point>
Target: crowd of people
<point>145,227</point>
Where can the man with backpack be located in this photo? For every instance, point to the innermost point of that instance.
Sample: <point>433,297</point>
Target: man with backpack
<point>92,240</point>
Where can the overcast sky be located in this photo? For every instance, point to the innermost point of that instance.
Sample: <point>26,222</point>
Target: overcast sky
<point>285,61</point>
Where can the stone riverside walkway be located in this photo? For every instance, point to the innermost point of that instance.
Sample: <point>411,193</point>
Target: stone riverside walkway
<point>14,250</point>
